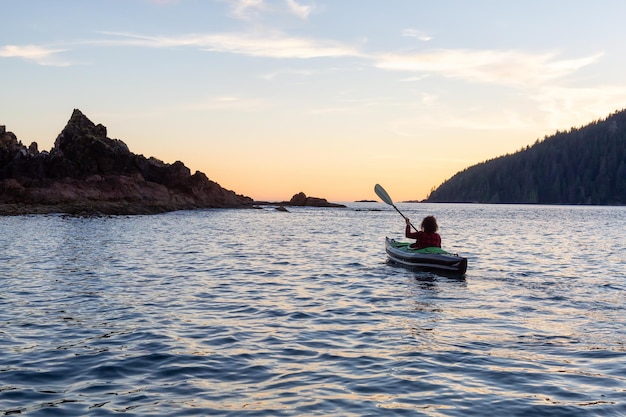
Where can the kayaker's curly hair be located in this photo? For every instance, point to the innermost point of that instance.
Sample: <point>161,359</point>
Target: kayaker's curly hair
<point>429,224</point>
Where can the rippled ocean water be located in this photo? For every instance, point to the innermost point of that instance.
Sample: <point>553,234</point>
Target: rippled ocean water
<point>265,313</point>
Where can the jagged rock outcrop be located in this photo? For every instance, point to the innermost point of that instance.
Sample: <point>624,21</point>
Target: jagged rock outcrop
<point>87,172</point>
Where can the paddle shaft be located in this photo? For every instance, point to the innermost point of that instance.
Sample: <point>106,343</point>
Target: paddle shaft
<point>405,218</point>
<point>384,195</point>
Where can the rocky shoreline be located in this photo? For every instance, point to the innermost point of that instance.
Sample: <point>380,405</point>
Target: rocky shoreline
<point>87,173</point>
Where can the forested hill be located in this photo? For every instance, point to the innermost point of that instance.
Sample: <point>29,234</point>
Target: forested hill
<point>586,165</point>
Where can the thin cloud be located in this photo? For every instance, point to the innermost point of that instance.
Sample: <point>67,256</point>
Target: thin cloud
<point>418,34</point>
<point>270,45</point>
<point>299,10</point>
<point>415,78</point>
<point>511,68</point>
<point>275,74</point>
<point>255,9</point>
<point>563,106</point>
<point>247,9</point>
<point>37,54</point>
<point>487,66</point>
<point>277,46</point>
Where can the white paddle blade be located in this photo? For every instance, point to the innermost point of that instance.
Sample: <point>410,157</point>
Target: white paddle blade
<point>380,192</point>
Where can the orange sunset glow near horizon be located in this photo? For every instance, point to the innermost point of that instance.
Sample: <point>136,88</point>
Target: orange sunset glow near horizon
<point>272,98</point>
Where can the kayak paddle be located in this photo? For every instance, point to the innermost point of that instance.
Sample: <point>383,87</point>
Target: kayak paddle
<point>380,192</point>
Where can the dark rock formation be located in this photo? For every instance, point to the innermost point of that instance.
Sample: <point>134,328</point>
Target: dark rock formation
<point>301,200</point>
<point>87,172</point>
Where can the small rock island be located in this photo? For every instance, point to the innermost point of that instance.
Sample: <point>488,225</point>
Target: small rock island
<point>302,200</point>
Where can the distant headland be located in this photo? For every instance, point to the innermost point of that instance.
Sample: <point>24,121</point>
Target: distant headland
<point>586,165</point>
<point>88,173</point>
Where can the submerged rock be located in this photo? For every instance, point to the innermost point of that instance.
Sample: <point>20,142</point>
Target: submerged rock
<point>87,172</point>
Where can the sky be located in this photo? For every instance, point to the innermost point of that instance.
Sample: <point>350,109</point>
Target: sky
<point>327,97</point>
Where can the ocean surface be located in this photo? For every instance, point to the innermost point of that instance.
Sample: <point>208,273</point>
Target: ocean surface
<point>266,313</point>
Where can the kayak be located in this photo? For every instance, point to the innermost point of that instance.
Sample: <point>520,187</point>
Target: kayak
<point>426,258</point>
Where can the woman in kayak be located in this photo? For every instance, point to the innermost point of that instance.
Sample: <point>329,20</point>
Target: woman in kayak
<point>427,236</point>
